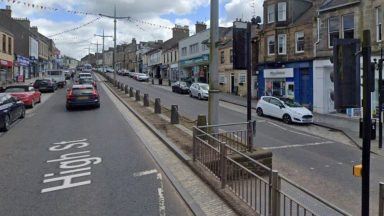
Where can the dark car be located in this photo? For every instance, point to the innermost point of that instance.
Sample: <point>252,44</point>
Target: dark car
<point>10,110</point>
<point>180,87</point>
<point>45,85</point>
<point>82,95</point>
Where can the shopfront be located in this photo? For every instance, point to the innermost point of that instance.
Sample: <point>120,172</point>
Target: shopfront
<point>196,68</point>
<point>294,81</point>
<point>5,70</point>
<point>21,69</point>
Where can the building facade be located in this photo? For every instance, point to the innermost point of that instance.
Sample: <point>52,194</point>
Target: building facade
<point>285,67</point>
<point>6,55</point>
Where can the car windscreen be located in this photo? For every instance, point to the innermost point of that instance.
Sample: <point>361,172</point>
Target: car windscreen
<point>15,89</point>
<point>83,81</point>
<point>183,84</point>
<point>55,73</point>
<point>82,91</point>
<point>42,82</point>
<point>205,87</point>
<point>290,102</point>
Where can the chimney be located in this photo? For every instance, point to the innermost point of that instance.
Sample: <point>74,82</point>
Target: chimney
<point>7,11</point>
<point>24,22</point>
<point>200,26</point>
<point>180,32</point>
<point>34,29</point>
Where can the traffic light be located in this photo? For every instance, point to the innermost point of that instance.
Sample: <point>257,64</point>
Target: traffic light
<point>346,75</point>
<point>239,45</point>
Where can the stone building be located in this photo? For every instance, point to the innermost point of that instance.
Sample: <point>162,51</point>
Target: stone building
<point>6,55</point>
<point>285,61</point>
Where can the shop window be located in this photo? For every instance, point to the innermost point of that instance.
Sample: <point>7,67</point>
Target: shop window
<point>282,11</point>
<point>348,26</point>
<point>379,20</point>
<point>333,30</point>
<point>299,40</point>
<point>282,43</point>
<point>231,55</point>
<point>271,45</point>
<point>271,13</point>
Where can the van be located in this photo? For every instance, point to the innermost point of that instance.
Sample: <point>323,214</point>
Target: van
<point>58,76</point>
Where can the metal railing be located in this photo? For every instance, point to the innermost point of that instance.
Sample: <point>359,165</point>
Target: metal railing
<point>256,185</point>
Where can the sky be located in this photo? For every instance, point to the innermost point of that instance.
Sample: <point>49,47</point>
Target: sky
<point>161,14</point>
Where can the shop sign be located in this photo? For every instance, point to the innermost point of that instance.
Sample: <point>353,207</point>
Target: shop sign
<point>278,73</point>
<point>22,61</point>
<point>195,61</point>
<point>6,63</point>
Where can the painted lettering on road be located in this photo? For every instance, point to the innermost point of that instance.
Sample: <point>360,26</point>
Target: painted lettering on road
<point>73,166</point>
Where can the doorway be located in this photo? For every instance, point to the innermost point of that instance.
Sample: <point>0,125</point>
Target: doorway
<point>233,90</point>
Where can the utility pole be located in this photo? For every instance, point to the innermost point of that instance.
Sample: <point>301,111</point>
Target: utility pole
<point>103,36</point>
<point>380,99</point>
<point>367,121</point>
<point>97,50</point>
<point>115,18</point>
<point>213,103</point>
<point>249,86</point>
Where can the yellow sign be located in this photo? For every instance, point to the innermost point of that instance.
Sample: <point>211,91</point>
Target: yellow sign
<point>357,170</point>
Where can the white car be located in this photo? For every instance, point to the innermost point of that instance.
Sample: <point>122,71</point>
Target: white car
<point>284,108</point>
<point>142,77</point>
<point>199,90</point>
<point>85,75</point>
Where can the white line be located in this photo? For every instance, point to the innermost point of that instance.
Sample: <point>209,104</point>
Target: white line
<point>281,127</point>
<point>295,132</point>
<point>160,190</point>
<point>48,175</point>
<point>75,170</point>
<point>143,173</point>
<point>298,145</point>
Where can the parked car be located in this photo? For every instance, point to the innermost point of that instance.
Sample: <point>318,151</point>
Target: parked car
<point>284,108</point>
<point>27,94</point>
<point>58,76</point>
<point>142,77</point>
<point>199,90</point>
<point>45,85</point>
<point>82,95</point>
<point>131,74</point>
<point>180,87</point>
<point>10,110</point>
<point>125,73</point>
<point>109,70</point>
<point>83,81</point>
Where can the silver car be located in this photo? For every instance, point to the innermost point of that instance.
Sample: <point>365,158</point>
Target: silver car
<point>199,90</point>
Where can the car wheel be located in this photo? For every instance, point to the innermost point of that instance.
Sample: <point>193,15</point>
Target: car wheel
<point>39,101</point>
<point>69,108</point>
<point>190,94</point>
<point>97,106</point>
<point>7,123</point>
<point>199,96</point>
<point>22,113</point>
<point>259,112</point>
<point>287,119</point>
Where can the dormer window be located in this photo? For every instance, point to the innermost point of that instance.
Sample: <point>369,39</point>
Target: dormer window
<point>282,11</point>
<point>271,13</point>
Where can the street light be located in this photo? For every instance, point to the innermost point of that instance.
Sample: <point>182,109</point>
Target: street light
<point>114,17</point>
<point>103,36</point>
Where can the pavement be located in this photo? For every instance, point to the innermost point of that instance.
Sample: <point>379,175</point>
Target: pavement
<point>317,158</point>
<point>85,162</point>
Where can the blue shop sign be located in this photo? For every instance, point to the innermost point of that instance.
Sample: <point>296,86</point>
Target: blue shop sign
<point>195,61</point>
<point>22,61</point>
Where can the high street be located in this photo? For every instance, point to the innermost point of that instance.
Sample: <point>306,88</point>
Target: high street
<point>316,160</point>
<point>109,171</point>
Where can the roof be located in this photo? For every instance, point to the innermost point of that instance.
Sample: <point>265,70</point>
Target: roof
<point>5,31</point>
<point>334,4</point>
<point>171,43</point>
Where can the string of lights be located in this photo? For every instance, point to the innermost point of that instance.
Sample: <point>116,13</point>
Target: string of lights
<point>47,8</point>
<point>76,28</point>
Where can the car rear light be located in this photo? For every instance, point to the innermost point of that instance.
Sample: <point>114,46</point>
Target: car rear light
<point>70,95</point>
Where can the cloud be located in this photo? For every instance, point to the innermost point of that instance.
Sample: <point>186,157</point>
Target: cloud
<point>244,9</point>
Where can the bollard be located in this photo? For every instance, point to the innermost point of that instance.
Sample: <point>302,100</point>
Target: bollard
<point>157,106</point>
<point>201,121</point>
<point>137,95</point>
<point>131,92</point>
<point>126,89</point>
<point>146,100</point>
<point>117,84</point>
<point>153,82</point>
<point>175,114</point>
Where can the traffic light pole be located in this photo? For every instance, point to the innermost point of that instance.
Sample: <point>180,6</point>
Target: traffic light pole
<point>249,86</point>
<point>367,121</point>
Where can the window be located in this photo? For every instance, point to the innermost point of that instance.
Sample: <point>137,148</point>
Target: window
<point>194,48</point>
<point>222,79</point>
<point>4,44</point>
<point>222,57</point>
<point>231,55</point>
<point>333,30</point>
<point>348,26</point>
<point>282,11</point>
<point>299,40</point>
<point>271,45</point>
<point>204,47</point>
<point>242,78</point>
<point>282,41</point>
<point>184,51</point>
<point>379,20</point>
<point>271,13</point>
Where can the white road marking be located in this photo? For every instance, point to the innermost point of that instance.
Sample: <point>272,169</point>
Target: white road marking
<point>49,175</point>
<point>161,196</point>
<point>327,166</point>
<point>75,170</point>
<point>143,173</point>
<point>340,163</point>
<point>298,145</point>
<point>311,168</point>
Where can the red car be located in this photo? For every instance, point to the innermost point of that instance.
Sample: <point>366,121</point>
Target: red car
<point>27,94</point>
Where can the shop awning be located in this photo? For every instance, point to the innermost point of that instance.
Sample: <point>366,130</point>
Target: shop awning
<point>6,63</point>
